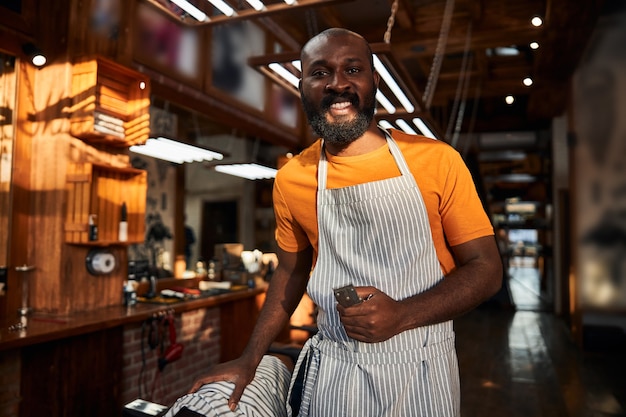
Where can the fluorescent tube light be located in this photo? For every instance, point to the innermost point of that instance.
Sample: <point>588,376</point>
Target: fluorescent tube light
<point>284,73</point>
<point>506,51</point>
<point>223,7</point>
<point>419,123</point>
<point>384,101</point>
<point>256,5</point>
<point>395,88</point>
<point>405,127</point>
<point>173,151</point>
<point>155,153</point>
<point>192,10</point>
<point>385,124</point>
<point>248,171</point>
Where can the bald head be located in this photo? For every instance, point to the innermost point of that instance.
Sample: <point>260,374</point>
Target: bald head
<point>331,37</point>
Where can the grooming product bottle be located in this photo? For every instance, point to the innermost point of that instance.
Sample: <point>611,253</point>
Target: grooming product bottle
<point>130,295</point>
<point>93,227</point>
<point>123,231</point>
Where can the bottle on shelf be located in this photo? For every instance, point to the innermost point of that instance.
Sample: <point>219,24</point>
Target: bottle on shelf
<point>93,227</point>
<point>123,229</point>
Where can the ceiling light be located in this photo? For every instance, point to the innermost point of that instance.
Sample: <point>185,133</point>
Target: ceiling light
<point>284,73</point>
<point>247,171</point>
<point>391,83</point>
<point>35,55</point>
<point>421,126</point>
<point>191,10</point>
<point>223,7</point>
<point>506,51</point>
<point>536,21</point>
<point>385,124</point>
<point>528,81</point>
<point>256,5</point>
<point>173,151</point>
<point>228,10</point>
<point>534,45</point>
<point>405,127</point>
<point>509,99</point>
<point>384,101</point>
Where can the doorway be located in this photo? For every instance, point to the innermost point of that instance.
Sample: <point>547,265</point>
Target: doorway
<point>219,225</point>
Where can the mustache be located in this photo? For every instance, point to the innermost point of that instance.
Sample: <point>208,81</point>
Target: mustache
<point>332,97</point>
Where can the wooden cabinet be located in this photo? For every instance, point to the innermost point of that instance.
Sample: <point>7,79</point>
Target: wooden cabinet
<point>100,190</point>
<point>83,376</point>
<point>110,103</point>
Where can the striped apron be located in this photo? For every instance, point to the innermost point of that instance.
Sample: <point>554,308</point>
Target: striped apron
<point>375,234</point>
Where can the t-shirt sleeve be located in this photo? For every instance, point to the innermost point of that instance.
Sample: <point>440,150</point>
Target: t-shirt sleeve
<point>462,213</point>
<point>289,234</point>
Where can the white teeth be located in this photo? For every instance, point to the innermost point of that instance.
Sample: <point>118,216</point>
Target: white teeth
<point>341,105</point>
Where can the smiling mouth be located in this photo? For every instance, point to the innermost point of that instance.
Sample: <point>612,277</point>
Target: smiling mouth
<point>340,109</point>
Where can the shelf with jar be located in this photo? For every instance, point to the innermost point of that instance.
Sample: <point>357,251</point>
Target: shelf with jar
<point>110,103</point>
<point>106,205</point>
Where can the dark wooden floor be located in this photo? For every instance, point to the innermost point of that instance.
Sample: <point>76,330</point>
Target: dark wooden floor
<point>522,362</point>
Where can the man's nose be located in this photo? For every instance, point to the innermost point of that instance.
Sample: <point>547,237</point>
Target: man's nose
<point>338,82</point>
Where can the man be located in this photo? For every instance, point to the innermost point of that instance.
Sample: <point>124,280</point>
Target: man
<point>397,216</point>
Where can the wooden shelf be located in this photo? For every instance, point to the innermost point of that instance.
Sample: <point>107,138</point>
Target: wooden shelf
<point>109,104</point>
<point>101,190</point>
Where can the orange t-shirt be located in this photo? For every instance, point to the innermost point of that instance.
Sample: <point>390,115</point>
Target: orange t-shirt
<point>455,212</point>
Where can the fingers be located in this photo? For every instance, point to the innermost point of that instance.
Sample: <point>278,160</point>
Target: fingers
<point>366,293</point>
<point>199,383</point>
<point>196,386</point>
<point>235,396</point>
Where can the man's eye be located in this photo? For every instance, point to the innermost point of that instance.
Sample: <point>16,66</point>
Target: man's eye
<point>353,70</point>
<point>319,73</point>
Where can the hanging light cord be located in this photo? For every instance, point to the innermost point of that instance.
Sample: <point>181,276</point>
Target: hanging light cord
<point>461,90</point>
<point>391,21</point>
<point>433,76</point>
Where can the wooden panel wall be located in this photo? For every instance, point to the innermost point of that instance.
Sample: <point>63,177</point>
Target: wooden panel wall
<point>19,253</point>
<point>61,284</point>
<point>82,376</point>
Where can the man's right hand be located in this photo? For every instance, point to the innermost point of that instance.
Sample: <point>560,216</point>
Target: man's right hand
<point>283,295</point>
<point>238,371</point>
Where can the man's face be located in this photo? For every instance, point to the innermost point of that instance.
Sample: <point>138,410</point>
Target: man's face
<point>338,88</point>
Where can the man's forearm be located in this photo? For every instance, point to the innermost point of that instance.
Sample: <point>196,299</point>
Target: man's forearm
<point>274,316</point>
<point>283,295</point>
<point>478,278</point>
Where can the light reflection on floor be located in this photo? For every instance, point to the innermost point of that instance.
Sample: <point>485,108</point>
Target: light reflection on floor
<point>523,361</point>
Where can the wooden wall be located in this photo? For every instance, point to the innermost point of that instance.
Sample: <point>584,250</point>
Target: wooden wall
<point>67,31</point>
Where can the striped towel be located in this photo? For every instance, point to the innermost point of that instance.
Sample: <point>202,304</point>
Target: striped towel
<point>265,396</point>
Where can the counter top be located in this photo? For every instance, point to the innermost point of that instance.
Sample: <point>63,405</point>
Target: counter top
<point>44,328</point>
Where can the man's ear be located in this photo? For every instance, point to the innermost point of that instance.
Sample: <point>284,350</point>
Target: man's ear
<point>376,78</point>
<point>300,86</point>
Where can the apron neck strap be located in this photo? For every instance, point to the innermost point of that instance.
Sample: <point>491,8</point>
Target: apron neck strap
<point>322,171</point>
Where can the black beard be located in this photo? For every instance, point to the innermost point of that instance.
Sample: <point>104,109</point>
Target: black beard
<point>340,133</point>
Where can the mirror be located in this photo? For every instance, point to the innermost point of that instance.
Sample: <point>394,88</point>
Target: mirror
<point>8,88</point>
